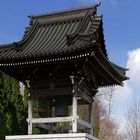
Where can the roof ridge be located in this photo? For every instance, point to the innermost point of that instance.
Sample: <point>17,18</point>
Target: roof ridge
<point>73,10</point>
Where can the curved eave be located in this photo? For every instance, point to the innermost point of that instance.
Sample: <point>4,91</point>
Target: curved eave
<point>19,44</point>
<point>103,47</point>
<point>110,70</point>
<point>118,71</point>
<point>119,67</point>
<point>109,78</point>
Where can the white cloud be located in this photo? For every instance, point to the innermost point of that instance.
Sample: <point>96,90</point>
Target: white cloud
<point>123,94</point>
<point>120,94</point>
<point>121,121</point>
<point>133,64</point>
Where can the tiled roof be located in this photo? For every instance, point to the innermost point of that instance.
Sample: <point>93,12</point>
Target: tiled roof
<point>63,37</point>
<point>57,33</point>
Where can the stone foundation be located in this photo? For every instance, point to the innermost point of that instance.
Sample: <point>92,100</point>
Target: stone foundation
<point>76,136</point>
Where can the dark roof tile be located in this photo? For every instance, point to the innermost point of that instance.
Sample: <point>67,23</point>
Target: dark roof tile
<point>52,38</point>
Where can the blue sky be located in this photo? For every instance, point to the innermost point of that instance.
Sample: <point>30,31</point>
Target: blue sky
<point>121,29</point>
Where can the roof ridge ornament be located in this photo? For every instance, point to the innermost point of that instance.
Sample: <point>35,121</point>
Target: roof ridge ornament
<point>80,29</point>
<point>87,36</point>
<point>98,4</point>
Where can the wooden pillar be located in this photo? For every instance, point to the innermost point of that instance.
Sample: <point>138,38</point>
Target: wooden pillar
<point>74,111</point>
<point>74,105</point>
<point>30,109</point>
<point>91,117</point>
<point>30,116</point>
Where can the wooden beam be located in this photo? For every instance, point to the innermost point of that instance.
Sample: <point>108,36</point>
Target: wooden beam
<point>51,120</point>
<point>83,123</point>
<point>87,90</point>
<point>45,126</point>
<point>84,96</point>
<point>46,92</point>
<point>50,84</point>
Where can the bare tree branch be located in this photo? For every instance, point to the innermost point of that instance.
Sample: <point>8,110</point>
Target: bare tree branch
<point>132,131</point>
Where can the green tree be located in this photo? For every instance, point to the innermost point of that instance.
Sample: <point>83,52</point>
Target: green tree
<point>12,107</point>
